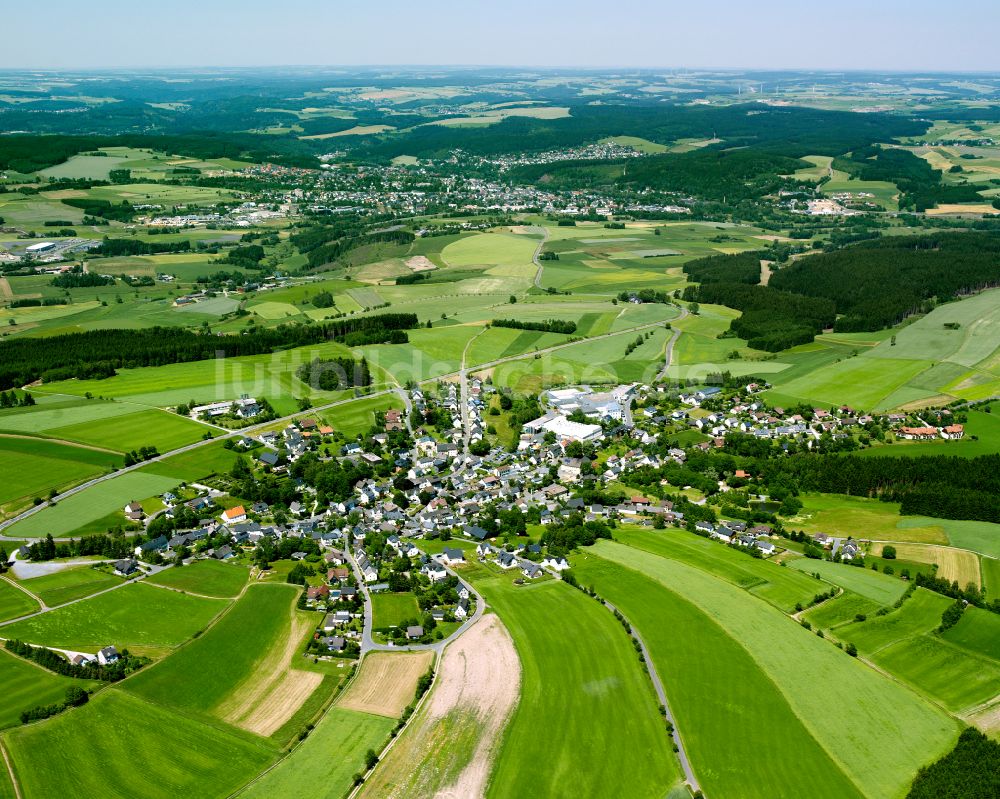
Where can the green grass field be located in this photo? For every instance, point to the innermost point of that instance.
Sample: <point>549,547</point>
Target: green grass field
<point>205,577</point>
<point>879,712</point>
<point>165,431</point>
<point>840,610</point>
<point>14,602</point>
<point>580,677</point>
<point>27,686</point>
<point>32,466</point>
<point>194,465</point>
<point>201,676</point>
<point>709,705</point>
<point>991,575</point>
<point>114,746</point>
<point>311,768</point>
<point>391,610</point>
<point>872,585</point>
<point>781,587</point>
<point>137,617</point>
<point>69,584</point>
<point>860,517</point>
<point>71,516</point>
<point>977,631</point>
<point>948,673</point>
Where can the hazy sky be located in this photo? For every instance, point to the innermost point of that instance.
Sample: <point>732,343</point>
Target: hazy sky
<point>846,34</point>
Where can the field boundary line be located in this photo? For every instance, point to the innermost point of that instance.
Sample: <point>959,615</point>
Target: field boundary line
<point>10,770</point>
<point>21,588</point>
<point>65,441</point>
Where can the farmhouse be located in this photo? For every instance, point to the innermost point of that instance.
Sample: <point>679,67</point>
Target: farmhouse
<point>126,568</point>
<point>107,656</point>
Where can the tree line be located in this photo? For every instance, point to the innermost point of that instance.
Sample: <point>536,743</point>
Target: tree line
<point>99,353</point>
<point>333,374</point>
<point>547,326</point>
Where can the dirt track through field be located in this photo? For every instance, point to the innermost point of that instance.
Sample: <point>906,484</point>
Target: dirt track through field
<point>386,682</point>
<point>6,292</point>
<point>273,692</point>
<point>448,751</point>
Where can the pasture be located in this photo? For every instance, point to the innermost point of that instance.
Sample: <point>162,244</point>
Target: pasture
<point>14,602</point>
<point>77,513</point>
<point>141,428</point>
<point>311,768</point>
<point>391,610</point>
<point>977,631</point>
<point>27,686</point>
<point>118,740</point>
<point>69,584</point>
<point>872,585</point>
<point>991,576</point>
<point>386,682</point>
<point>204,577</point>
<point>840,610</point>
<point>136,616</point>
<point>920,614</point>
<point>863,518</point>
<point>579,676</point>
<point>879,712</point>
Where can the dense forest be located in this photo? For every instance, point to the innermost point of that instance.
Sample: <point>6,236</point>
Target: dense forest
<point>99,353</point>
<point>772,320</point>
<point>876,284</point>
<point>741,268</point>
<point>970,771</point>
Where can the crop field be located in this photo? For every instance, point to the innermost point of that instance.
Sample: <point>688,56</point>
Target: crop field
<point>63,411</point>
<point>206,675</point>
<point>386,682</point>
<point>69,584</point>
<point>358,417</point>
<point>953,564</point>
<point>205,577</point>
<point>311,769</point>
<point>873,585</point>
<point>117,740</point>
<point>581,677</point>
<point>165,431</point>
<point>390,610</point>
<point>779,586</point>
<point>27,686</point>
<point>991,576</point>
<point>709,704</point>
<point>879,712</point>
<point>137,617</point>
<point>982,537</point>
<point>71,516</point>
<point>449,746</point>
<point>34,466</point>
<point>14,602</point>
<point>957,678</point>
<point>195,464</point>
<point>500,253</point>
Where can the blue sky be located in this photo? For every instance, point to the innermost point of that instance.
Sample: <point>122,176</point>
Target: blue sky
<point>844,34</point>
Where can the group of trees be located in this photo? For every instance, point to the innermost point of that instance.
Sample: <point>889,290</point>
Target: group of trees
<point>645,295</point>
<point>55,662</point>
<point>332,374</point>
<point>11,399</point>
<point>971,771</point>
<point>572,533</point>
<point>547,326</point>
<point>117,248</point>
<point>76,278</point>
<point>103,209</point>
<point>98,353</point>
<point>741,268</point>
<point>111,546</point>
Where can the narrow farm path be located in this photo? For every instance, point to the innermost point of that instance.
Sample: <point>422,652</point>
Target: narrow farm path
<point>669,353</point>
<point>21,588</point>
<point>10,770</point>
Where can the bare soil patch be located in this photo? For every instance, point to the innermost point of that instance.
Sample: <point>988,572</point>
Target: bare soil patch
<point>386,682</point>
<point>448,750</point>
<point>253,706</point>
<point>420,263</point>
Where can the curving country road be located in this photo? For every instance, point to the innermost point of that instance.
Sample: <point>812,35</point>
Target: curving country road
<point>668,358</point>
